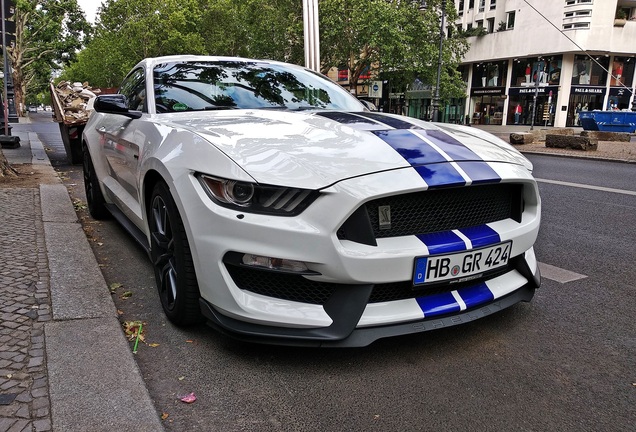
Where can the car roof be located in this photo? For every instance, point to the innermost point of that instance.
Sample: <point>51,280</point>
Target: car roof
<point>153,61</point>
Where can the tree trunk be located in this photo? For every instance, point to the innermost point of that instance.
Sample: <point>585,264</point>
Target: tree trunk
<point>5,168</point>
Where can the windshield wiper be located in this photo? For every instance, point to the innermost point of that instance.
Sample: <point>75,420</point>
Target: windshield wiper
<point>217,108</point>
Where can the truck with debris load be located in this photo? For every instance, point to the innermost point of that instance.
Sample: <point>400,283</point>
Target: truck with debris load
<point>72,105</point>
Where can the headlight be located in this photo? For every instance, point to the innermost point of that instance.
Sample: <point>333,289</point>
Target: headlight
<point>255,198</point>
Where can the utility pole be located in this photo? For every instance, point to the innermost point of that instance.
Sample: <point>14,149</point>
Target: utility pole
<point>311,34</point>
<point>439,63</point>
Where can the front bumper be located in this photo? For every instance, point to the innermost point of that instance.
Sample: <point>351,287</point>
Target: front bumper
<point>347,318</point>
<point>343,333</point>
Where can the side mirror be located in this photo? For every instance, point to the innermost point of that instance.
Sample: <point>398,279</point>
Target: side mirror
<point>115,104</point>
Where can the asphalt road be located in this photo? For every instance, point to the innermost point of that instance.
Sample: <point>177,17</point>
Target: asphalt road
<point>565,362</point>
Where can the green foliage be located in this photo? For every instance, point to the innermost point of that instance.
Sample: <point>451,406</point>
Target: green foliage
<point>474,31</point>
<point>386,35</point>
<point>389,35</point>
<point>49,33</point>
<point>270,29</point>
<point>130,30</point>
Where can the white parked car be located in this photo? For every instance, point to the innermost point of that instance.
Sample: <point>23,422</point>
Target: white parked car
<point>275,206</point>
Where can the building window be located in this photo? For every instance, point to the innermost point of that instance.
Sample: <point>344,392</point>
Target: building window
<point>493,4</point>
<point>577,14</point>
<point>460,8</point>
<point>482,5</point>
<point>511,20</point>
<point>576,26</point>
<point>480,23</point>
<point>491,25</point>
<point>471,4</point>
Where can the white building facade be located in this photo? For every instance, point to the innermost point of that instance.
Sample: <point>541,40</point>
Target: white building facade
<point>570,55</point>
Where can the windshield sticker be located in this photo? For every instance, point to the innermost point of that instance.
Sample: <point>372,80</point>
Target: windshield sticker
<point>179,107</point>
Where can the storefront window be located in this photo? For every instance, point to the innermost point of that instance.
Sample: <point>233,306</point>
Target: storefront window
<point>620,92</point>
<point>622,71</point>
<point>526,72</point>
<point>590,72</point>
<point>490,74</point>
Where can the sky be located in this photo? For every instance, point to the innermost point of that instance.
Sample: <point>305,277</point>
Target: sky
<point>90,8</point>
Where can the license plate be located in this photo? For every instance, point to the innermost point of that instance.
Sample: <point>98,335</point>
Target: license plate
<point>460,266</point>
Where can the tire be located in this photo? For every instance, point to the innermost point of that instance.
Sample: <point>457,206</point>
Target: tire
<point>172,260</point>
<point>94,197</point>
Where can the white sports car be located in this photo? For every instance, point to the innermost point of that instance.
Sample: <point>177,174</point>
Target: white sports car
<point>275,206</point>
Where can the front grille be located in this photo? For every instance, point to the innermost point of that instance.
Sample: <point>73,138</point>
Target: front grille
<point>297,288</point>
<point>435,210</point>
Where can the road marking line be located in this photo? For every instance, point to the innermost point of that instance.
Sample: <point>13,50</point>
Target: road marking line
<point>583,186</point>
<point>558,274</point>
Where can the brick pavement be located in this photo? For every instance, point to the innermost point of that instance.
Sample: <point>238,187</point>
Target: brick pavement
<point>24,308</point>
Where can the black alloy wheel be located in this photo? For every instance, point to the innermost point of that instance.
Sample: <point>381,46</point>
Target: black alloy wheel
<point>172,260</point>
<point>94,197</point>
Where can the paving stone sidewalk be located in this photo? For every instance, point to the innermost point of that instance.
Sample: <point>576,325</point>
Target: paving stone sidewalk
<point>65,365</point>
<point>24,308</point>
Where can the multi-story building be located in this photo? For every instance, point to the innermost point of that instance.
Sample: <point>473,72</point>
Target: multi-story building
<point>570,55</point>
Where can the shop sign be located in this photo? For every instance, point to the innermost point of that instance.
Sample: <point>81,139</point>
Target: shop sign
<point>531,90</point>
<point>619,91</point>
<point>396,95</point>
<point>588,90</point>
<point>487,91</point>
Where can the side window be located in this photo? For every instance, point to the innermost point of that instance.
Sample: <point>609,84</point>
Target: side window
<point>134,88</point>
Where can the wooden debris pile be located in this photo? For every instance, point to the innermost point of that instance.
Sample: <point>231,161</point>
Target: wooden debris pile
<point>75,100</point>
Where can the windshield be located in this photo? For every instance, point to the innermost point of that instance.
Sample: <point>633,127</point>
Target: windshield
<point>197,86</point>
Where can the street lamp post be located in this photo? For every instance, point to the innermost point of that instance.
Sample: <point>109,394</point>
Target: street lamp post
<point>439,64</point>
<point>5,104</point>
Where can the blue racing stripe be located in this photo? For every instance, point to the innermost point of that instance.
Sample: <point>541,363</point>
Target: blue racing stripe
<point>440,175</point>
<point>410,147</point>
<point>389,121</point>
<point>479,172</point>
<point>427,161</point>
<point>345,118</point>
<point>438,304</point>
<point>442,242</point>
<point>481,235</point>
<point>476,295</point>
<point>452,147</point>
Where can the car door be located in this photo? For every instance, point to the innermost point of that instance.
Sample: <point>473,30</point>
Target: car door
<point>122,140</point>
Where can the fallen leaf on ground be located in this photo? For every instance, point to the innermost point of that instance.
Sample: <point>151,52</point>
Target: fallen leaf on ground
<point>126,295</point>
<point>189,398</point>
<point>164,416</point>
<point>153,345</point>
<point>131,329</point>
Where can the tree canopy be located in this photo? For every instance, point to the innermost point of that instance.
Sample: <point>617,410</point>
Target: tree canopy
<point>393,37</point>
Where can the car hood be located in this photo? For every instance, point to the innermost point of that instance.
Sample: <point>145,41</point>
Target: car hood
<point>315,149</point>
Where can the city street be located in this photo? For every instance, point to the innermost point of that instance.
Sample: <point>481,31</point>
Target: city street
<point>566,361</point>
